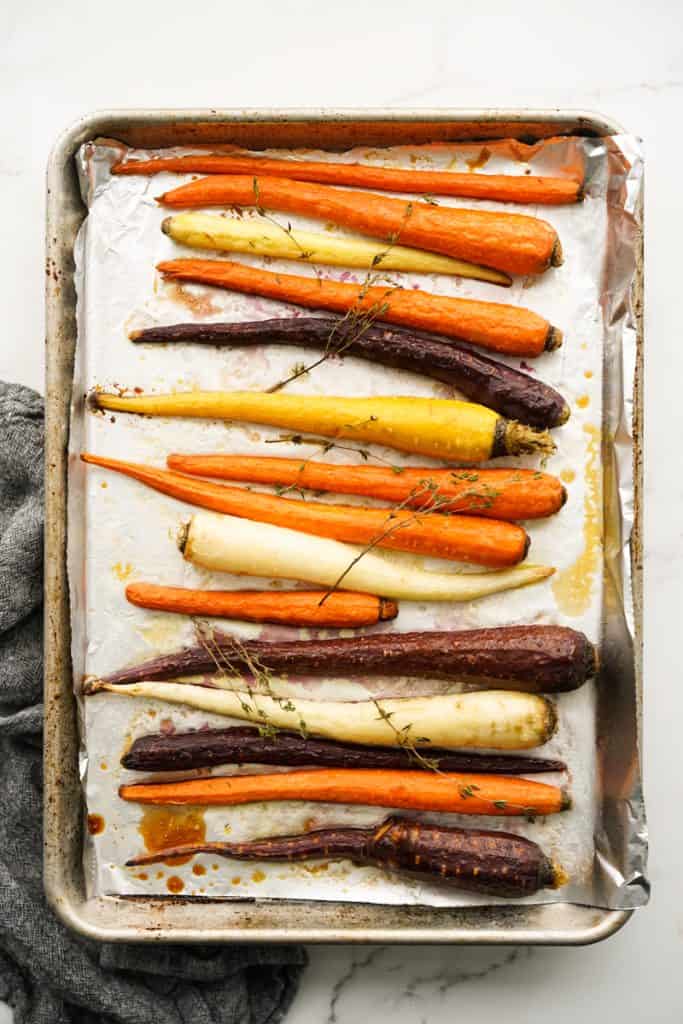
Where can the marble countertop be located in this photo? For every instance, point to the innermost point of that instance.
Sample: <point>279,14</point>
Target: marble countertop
<point>619,58</point>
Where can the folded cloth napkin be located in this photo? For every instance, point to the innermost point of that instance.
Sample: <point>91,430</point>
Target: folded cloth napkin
<point>47,974</point>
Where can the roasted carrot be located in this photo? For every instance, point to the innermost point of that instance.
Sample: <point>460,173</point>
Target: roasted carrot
<point>207,748</point>
<point>512,330</point>
<point>421,791</point>
<point>224,543</point>
<point>487,719</point>
<point>259,237</point>
<point>506,188</point>
<point>493,862</point>
<point>290,607</point>
<point>462,538</point>
<point>500,493</point>
<point>479,378</point>
<point>436,427</point>
<point>511,242</point>
<point>530,659</point>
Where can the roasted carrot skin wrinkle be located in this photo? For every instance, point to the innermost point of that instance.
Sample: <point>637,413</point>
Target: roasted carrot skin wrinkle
<point>497,863</point>
<point>499,493</point>
<point>519,396</point>
<point>511,242</point>
<point>342,609</point>
<point>440,428</point>
<point>462,538</point>
<point>504,188</point>
<point>512,330</point>
<point>451,792</point>
<point>535,659</point>
<point>206,748</point>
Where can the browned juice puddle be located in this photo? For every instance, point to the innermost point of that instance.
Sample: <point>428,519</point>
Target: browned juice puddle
<point>572,587</point>
<point>567,476</point>
<point>95,824</point>
<point>198,869</point>
<point>161,827</point>
<point>199,304</point>
<point>122,571</point>
<point>175,884</point>
<point>480,160</point>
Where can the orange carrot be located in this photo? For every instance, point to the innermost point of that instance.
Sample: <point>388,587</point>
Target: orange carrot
<point>509,329</point>
<point>498,493</point>
<point>511,242</point>
<point>463,538</point>
<point>342,609</point>
<point>418,790</point>
<point>506,188</point>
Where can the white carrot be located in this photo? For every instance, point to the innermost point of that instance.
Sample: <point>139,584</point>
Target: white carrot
<point>225,543</point>
<point>492,719</point>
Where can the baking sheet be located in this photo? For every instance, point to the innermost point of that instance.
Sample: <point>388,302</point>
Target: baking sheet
<point>119,531</point>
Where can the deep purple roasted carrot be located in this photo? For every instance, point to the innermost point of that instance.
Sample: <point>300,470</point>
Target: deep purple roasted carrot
<point>205,748</point>
<point>479,860</point>
<point>530,658</point>
<point>515,395</point>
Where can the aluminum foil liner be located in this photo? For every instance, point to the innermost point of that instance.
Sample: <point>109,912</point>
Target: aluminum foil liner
<point>120,531</point>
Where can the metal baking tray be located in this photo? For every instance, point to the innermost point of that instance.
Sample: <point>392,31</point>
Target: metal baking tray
<point>203,920</point>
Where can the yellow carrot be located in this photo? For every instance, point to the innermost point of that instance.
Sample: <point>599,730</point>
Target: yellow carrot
<point>262,237</point>
<point>437,427</point>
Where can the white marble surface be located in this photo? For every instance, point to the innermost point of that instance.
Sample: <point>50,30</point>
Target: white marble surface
<point>624,59</point>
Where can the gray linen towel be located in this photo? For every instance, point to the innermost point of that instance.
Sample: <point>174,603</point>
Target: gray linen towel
<point>48,974</point>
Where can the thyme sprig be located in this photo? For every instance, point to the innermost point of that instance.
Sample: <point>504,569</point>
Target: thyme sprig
<point>304,254</point>
<point>261,674</point>
<point>403,739</point>
<point>357,320</point>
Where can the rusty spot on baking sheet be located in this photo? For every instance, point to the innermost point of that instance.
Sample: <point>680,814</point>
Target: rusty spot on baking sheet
<point>162,827</point>
<point>95,824</point>
<point>572,587</point>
